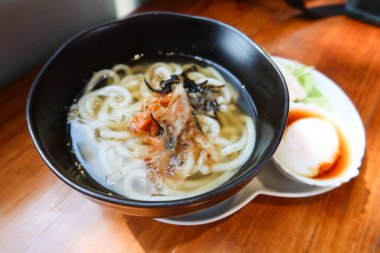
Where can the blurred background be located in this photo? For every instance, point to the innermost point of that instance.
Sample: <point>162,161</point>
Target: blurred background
<point>31,30</point>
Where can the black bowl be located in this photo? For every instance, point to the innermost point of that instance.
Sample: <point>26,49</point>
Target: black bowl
<point>61,80</point>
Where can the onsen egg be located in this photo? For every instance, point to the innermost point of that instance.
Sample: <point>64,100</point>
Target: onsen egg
<point>310,147</point>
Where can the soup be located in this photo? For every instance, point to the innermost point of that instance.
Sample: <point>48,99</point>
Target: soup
<point>161,131</point>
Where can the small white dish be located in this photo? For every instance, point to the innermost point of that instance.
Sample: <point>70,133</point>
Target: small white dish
<point>273,183</point>
<point>344,116</point>
<point>348,164</point>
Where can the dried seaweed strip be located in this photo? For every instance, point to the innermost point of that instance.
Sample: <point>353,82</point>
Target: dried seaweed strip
<point>161,128</point>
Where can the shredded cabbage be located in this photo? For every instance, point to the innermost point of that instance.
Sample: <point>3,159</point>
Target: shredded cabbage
<point>304,76</point>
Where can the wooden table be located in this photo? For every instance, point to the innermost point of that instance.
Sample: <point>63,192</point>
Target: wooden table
<point>39,213</point>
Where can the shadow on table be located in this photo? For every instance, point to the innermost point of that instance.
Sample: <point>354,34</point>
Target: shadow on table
<point>352,194</point>
<point>154,236</point>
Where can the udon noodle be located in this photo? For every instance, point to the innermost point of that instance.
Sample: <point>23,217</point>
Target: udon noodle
<point>161,131</point>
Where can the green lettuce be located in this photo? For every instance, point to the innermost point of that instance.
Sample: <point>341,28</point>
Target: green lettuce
<point>314,96</point>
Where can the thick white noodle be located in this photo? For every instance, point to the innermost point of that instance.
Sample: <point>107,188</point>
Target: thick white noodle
<point>121,155</point>
<point>199,166</point>
<point>210,82</point>
<point>132,81</point>
<point>245,153</point>
<point>86,106</point>
<point>114,135</point>
<point>236,146</point>
<point>118,97</point>
<point>220,141</point>
<point>193,187</point>
<point>122,67</point>
<point>196,76</point>
<point>209,126</point>
<point>188,165</point>
<point>176,68</point>
<point>106,73</point>
<point>227,95</point>
<point>216,74</point>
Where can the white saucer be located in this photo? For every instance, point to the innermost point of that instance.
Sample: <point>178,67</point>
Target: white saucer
<point>270,181</point>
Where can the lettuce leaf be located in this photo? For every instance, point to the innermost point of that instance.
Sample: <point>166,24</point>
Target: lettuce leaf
<point>314,96</point>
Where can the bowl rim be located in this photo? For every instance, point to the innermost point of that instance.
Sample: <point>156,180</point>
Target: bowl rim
<point>194,200</point>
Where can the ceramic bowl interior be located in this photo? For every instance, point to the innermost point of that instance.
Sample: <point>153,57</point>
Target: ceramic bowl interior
<point>62,79</point>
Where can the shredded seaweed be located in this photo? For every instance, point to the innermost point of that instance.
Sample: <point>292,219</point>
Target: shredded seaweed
<point>200,96</point>
<point>190,85</point>
<point>171,142</point>
<point>151,88</point>
<point>161,128</point>
<point>166,85</point>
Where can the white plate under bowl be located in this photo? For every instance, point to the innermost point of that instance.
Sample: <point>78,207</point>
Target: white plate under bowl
<point>270,181</point>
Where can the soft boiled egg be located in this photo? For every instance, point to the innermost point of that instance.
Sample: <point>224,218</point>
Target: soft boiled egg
<point>310,146</point>
<point>315,148</point>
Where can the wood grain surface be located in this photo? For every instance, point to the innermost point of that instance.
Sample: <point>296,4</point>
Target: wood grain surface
<point>39,213</point>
